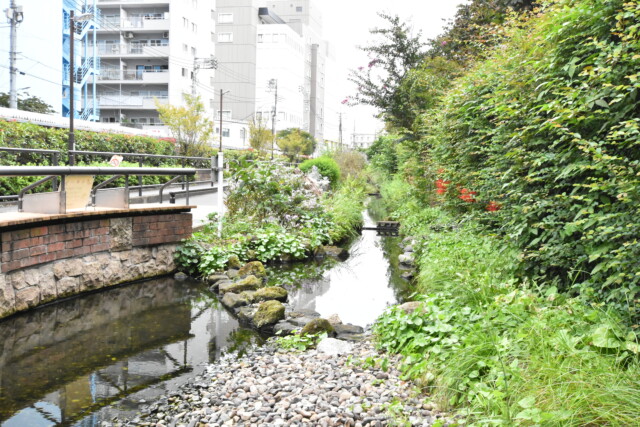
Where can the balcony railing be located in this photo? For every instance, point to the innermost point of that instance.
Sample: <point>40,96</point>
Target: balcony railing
<point>150,76</point>
<point>134,49</point>
<point>124,101</point>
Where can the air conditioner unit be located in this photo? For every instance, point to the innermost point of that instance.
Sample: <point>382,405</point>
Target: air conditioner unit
<point>128,35</point>
<point>165,34</point>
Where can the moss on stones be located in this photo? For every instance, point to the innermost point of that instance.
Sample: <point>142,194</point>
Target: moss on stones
<point>269,313</point>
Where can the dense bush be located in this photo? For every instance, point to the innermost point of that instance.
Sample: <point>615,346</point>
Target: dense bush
<point>326,166</point>
<point>548,130</point>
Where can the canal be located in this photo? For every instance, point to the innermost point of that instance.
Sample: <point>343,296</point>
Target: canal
<point>101,356</point>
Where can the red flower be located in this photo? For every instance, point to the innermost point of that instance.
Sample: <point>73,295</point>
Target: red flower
<point>441,186</point>
<point>467,195</point>
<point>493,206</point>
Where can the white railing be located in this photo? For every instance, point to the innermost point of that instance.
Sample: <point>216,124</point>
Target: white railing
<point>157,76</point>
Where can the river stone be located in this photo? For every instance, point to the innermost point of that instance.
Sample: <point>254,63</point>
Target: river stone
<point>232,273</point>
<point>348,329</point>
<point>317,326</point>
<point>410,307</point>
<point>180,276</point>
<point>245,314</point>
<point>334,347</point>
<point>334,319</point>
<point>215,278</point>
<point>303,312</point>
<point>253,268</point>
<point>249,283</point>
<point>285,328</point>
<point>250,296</point>
<point>335,252</point>
<point>407,258</point>
<point>271,293</point>
<point>231,300</point>
<point>268,313</point>
<point>234,262</point>
<point>300,322</point>
<point>407,275</point>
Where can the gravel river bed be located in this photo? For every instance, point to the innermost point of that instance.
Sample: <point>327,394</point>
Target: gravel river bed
<point>271,387</point>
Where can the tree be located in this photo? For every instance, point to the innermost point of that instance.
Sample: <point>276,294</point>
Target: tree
<point>260,138</point>
<point>30,103</point>
<point>294,141</point>
<point>390,60</point>
<point>188,125</point>
<point>475,29</point>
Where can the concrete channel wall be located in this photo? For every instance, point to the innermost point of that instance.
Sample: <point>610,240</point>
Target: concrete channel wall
<point>60,256</point>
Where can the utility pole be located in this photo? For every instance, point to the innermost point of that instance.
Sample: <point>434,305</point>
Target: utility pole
<point>273,84</point>
<point>72,78</point>
<point>15,16</point>
<point>204,64</point>
<point>222,94</point>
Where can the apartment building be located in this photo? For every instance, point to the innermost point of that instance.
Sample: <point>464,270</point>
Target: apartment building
<point>260,51</point>
<point>82,28</point>
<point>153,51</point>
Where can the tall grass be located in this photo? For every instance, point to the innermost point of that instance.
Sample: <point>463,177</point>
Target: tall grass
<point>345,208</point>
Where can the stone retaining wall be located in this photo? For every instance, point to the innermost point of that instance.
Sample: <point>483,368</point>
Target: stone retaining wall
<point>46,262</point>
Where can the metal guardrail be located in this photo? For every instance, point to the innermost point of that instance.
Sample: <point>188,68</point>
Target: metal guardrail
<point>51,172</point>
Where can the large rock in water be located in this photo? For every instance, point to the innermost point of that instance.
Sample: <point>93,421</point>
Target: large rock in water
<point>268,313</point>
<point>249,283</point>
<point>317,326</point>
<point>335,252</point>
<point>253,268</point>
<point>231,300</point>
<point>273,292</point>
<point>234,262</point>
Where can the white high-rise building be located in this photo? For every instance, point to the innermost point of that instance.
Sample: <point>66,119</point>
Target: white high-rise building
<point>153,50</point>
<point>258,48</point>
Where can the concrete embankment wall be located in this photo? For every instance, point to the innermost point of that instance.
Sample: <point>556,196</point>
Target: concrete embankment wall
<point>65,256</point>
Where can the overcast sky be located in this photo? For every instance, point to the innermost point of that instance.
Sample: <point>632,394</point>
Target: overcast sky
<point>346,25</point>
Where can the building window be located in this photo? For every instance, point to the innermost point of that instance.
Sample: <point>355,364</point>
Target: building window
<point>194,3</point>
<point>212,103</point>
<point>194,27</point>
<point>213,37</point>
<point>193,51</point>
<point>298,8</point>
<point>225,132</point>
<point>213,14</point>
<point>184,72</point>
<point>225,37</point>
<point>185,22</point>
<point>225,18</point>
<point>226,114</point>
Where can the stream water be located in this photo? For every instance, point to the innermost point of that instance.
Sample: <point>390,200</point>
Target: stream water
<point>100,356</point>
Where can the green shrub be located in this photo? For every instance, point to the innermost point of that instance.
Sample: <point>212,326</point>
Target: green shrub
<point>548,128</point>
<point>326,166</point>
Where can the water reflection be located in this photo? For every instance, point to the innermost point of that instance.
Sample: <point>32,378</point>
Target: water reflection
<point>359,289</point>
<point>63,362</point>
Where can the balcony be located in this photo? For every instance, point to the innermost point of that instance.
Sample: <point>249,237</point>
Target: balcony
<point>146,23</point>
<point>147,76</point>
<point>133,49</point>
<point>128,101</point>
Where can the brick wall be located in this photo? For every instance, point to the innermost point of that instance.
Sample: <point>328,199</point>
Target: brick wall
<point>160,229</point>
<point>43,244</point>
